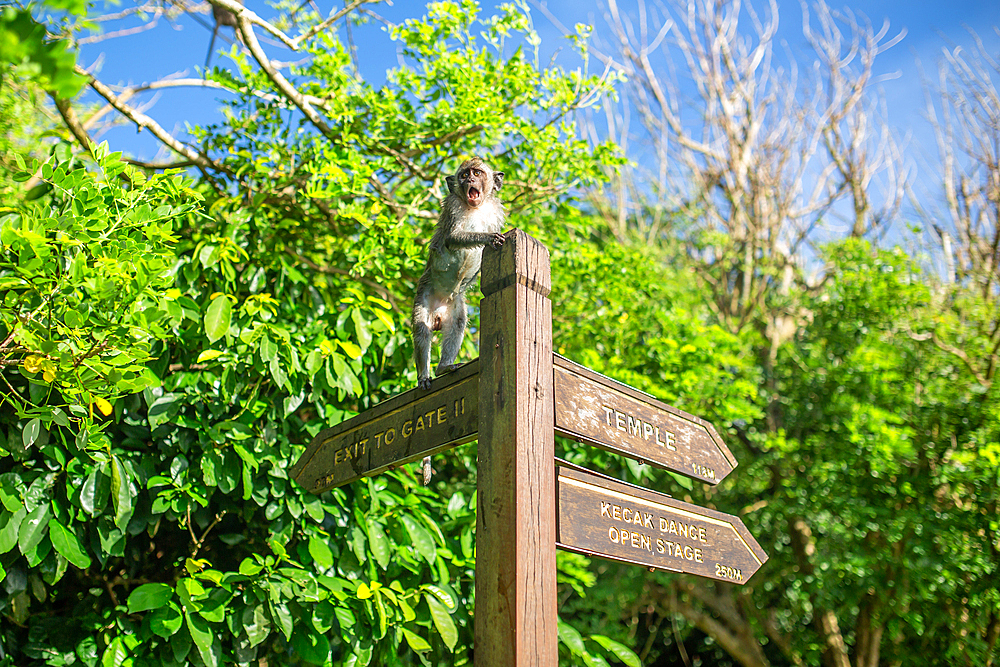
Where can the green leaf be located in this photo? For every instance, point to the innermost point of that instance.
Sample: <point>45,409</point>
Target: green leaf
<point>121,493</point>
<point>250,567</point>
<point>685,482</point>
<point>94,492</point>
<point>378,543</point>
<point>33,528</point>
<point>257,624</point>
<point>203,637</point>
<point>268,349</point>
<point>10,523</point>
<point>416,642</point>
<point>321,553</point>
<point>421,538</point>
<point>620,651</point>
<point>10,498</point>
<point>569,636</point>
<point>68,544</point>
<point>218,317</point>
<point>442,621</point>
<point>283,616</point>
<point>165,621</point>
<point>443,597</point>
<point>312,646</point>
<point>31,432</point>
<point>149,596</point>
<point>591,660</point>
<point>345,617</point>
<point>115,654</point>
<point>215,607</point>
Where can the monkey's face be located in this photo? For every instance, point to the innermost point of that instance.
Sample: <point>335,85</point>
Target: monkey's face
<point>474,182</point>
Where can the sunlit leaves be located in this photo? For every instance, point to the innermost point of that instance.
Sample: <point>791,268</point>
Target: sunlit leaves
<point>68,544</point>
<point>218,316</point>
<point>149,596</point>
<point>196,346</point>
<point>99,273</point>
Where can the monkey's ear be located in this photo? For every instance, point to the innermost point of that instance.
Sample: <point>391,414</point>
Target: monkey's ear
<point>452,182</point>
<point>497,180</point>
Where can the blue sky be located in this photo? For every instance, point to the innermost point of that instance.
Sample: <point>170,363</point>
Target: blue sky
<point>179,48</point>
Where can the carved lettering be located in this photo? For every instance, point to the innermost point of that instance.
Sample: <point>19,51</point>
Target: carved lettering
<point>637,428</point>
<point>607,413</point>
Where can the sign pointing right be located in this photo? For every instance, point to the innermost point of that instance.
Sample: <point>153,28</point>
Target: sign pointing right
<point>601,516</point>
<point>614,416</point>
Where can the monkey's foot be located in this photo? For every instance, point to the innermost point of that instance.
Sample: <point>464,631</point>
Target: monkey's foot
<point>423,383</point>
<point>444,370</point>
<point>497,240</point>
<point>426,464</point>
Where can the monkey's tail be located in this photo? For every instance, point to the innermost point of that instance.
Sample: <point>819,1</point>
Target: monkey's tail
<point>426,464</point>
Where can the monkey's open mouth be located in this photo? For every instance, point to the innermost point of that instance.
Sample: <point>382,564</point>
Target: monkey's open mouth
<point>474,196</point>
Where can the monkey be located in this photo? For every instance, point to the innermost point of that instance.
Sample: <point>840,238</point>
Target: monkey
<point>471,217</point>
<point>223,17</point>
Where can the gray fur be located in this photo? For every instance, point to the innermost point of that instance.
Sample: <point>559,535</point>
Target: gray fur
<point>465,225</point>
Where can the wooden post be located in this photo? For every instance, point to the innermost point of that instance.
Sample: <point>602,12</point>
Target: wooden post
<point>516,525</point>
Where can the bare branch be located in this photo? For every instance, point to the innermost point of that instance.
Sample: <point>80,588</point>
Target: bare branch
<point>144,121</point>
<point>286,88</point>
<point>333,18</point>
<point>125,32</point>
<point>244,15</point>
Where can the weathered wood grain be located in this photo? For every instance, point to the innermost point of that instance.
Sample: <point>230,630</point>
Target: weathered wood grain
<point>515,529</point>
<point>601,516</point>
<point>594,408</point>
<point>404,428</point>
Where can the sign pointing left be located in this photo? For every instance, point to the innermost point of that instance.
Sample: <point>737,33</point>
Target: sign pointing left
<point>401,429</point>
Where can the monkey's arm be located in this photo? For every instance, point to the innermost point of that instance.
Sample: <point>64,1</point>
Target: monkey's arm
<point>473,239</point>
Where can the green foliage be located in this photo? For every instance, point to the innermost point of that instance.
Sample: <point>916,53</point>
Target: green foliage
<point>171,349</point>
<point>84,282</point>
<point>168,348</point>
<point>26,45</point>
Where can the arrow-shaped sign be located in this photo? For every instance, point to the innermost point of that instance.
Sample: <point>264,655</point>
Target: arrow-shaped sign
<point>621,419</point>
<point>601,516</point>
<point>404,428</point>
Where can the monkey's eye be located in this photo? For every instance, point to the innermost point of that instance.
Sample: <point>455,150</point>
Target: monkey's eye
<point>477,172</point>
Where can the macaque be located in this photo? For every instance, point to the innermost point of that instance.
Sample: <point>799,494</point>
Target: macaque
<point>471,217</point>
<point>222,17</point>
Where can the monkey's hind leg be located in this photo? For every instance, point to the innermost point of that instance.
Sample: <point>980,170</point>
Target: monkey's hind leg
<point>452,333</point>
<point>422,345</point>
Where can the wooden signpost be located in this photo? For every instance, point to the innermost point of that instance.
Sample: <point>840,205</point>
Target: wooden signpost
<point>601,516</point>
<point>401,429</point>
<point>616,417</point>
<point>514,399</point>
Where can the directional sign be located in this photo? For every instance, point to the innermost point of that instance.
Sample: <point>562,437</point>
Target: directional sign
<point>619,418</point>
<point>600,516</point>
<point>404,428</point>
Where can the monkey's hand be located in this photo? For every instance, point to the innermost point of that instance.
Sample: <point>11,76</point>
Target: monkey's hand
<point>497,240</point>
<point>423,383</point>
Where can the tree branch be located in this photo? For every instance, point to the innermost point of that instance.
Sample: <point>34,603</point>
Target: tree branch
<point>325,24</point>
<point>286,88</point>
<point>244,15</point>
<point>144,121</point>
